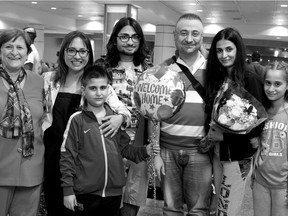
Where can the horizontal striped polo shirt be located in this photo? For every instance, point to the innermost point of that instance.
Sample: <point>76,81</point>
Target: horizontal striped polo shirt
<point>186,128</point>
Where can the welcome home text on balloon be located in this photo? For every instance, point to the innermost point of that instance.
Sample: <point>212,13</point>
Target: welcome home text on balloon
<point>151,93</point>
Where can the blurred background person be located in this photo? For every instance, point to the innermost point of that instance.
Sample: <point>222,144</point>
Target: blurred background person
<point>21,144</point>
<point>33,61</point>
<point>256,65</point>
<point>44,67</point>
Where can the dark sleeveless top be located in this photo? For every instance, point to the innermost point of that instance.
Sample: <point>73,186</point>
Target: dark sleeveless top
<point>65,105</point>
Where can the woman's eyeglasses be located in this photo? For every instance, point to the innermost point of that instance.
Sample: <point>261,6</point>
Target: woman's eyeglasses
<point>72,52</point>
<point>125,38</point>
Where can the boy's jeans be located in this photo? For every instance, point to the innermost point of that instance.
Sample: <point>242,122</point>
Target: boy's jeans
<point>187,176</point>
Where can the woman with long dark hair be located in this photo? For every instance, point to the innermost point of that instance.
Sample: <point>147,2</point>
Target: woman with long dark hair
<point>226,59</point>
<point>63,98</point>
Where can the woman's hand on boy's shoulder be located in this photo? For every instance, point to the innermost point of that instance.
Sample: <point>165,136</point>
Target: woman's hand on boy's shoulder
<point>111,124</point>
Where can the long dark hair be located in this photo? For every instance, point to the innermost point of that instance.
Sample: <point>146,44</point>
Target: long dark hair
<point>112,56</point>
<point>62,70</point>
<point>215,72</point>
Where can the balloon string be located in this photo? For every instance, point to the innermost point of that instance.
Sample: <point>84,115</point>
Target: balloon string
<point>151,168</point>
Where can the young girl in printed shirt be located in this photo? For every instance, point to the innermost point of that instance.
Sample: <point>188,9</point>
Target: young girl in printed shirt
<point>271,170</point>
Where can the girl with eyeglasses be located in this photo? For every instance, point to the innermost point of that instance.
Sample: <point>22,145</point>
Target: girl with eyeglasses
<point>62,99</point>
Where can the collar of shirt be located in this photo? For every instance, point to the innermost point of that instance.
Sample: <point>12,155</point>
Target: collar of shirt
<point>197,64</point>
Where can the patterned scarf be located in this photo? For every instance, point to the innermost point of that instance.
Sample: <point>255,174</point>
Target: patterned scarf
<point>16,120</point>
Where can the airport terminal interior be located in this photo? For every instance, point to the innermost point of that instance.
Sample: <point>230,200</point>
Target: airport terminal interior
<point>263,24</point>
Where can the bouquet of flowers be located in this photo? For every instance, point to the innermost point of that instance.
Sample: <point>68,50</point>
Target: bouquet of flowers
<point>234,111</point>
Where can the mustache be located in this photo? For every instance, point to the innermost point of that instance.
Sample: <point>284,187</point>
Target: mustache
<point>128,45</point>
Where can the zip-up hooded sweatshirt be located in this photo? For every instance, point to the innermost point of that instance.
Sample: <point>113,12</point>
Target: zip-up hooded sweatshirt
<point>92,163</point>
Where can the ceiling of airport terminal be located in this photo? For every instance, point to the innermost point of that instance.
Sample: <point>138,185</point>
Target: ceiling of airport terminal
<point>228,12</point>
<point>235,12</point>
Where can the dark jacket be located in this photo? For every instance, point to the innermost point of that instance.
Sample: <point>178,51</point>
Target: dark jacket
<point>92,163</point>
<point>237,146</point>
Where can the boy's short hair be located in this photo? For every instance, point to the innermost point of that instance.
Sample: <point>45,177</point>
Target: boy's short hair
<point>94,71</point>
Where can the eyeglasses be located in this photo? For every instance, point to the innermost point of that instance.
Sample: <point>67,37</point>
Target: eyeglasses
<point>125,38</point>
<point>185,34</point>
<point>72,52</point>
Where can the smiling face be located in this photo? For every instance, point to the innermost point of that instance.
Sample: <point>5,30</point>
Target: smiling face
<point>226,53</point>
<point>14,54</point>
<point>275,85</point>
<point>188,36</point>
<point>76,63</point>
<point>130,47</point>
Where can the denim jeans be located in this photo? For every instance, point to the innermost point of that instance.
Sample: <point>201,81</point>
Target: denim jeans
<point>187,178</point>
<point>268,201</point>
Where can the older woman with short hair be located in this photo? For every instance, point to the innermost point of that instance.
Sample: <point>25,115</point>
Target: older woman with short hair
<point>21,111</point>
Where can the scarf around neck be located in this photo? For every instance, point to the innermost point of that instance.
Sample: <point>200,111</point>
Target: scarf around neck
<point>16,120</point>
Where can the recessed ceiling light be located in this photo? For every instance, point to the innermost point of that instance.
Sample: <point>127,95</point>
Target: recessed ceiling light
<point>53,8</point>
<point>284,5</point>
<point>276,53</point>
<point>192,4</point>
<point>80,15</point>
<point>279,22</point>
<point>209,18</point>
<point>33,2</point>
<point>278,38</point>
<point>199,10</point>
